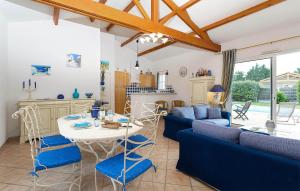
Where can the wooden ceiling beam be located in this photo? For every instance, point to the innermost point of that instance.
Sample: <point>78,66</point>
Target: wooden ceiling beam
<point>155,10</point>
<point>186,19</point>
<point>156,48</point>
<point>126,9</point>
<point>173,13</point>
<point>226,20</point>
<point>56,12</point>
<point>141,9</point>
<point>242,14</point>
<point>102,12</point>
<point>100,1</point>
<point>131,39</point>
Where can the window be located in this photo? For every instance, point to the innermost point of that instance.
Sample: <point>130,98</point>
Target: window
<point>162,81</point>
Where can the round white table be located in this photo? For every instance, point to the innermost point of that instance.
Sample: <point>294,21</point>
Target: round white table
<point>85,137</point>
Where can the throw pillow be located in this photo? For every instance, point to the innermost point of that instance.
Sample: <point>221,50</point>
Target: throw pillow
<point>200,111</point>
<point>216,131</point>
<point>277,145</point>
<point>214,113</point>
<point>184,112</point>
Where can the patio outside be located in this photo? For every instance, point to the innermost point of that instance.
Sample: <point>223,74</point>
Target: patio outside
<point>252,83</point>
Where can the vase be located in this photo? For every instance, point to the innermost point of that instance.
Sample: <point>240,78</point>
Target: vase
<point>270,125</point>
<point>76,94</point>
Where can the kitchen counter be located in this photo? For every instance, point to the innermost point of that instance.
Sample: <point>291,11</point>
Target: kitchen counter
<point>139,98</point>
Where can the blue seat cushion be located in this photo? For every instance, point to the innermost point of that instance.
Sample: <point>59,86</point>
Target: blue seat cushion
<point>113,167</point>
<point>136,138</point>
<point>221,122</point>
<point>54,140</point>
<point>57,158</point>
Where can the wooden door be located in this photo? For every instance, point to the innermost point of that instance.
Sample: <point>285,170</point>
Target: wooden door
<point>199,93</point>
<point>59,111</point>
<point>46,119</point>
<point>121,82</point>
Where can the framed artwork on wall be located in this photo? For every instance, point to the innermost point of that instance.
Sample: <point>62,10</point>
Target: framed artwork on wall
<point>40,70</point>
<point>74,60</point>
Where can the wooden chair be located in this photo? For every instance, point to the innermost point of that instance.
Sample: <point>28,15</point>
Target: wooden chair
<point>177,103</point>
<point>163,106</point>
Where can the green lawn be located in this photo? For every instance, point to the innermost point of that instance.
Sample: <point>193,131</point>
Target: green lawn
<point>258,104</point>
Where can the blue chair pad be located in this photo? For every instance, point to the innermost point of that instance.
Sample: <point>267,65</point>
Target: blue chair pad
<point>54,140</point>
<point>113,167</point>
<point>136,138</point>
<point>57,158</point>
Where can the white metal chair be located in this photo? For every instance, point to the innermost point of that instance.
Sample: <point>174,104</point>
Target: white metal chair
<point>128,165</point>
<point>285,112</point>
<point>45,141</point>
<point>45,160</point>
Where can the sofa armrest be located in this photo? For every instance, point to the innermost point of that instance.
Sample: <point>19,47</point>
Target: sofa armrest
<point>174,124</point>
<point>226,115</point>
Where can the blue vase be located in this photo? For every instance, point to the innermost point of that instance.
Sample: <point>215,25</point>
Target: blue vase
<point>95,111</point>
<point>76,94</point>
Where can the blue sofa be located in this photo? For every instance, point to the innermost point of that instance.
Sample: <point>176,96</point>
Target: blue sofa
<point>174,123</point>
<point>235,167</point>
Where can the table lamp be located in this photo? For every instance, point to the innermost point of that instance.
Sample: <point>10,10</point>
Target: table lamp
<point>216,94</point>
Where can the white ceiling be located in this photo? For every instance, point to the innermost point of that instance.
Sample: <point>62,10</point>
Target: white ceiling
<point>203,13</point>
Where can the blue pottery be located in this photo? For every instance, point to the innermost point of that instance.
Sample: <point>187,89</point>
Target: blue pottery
<point>95,111</point>
<point>76,94</point>
<point>60,96</point>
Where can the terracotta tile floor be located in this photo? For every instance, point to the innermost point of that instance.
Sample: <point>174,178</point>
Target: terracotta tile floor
<point>15,165</point>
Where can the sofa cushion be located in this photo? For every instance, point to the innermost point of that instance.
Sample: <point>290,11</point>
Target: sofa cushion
<point>221,122</point>
<point>216,131</point>
<point>214,113</point>
<point>184,112</point>
<point>201,111</point>
<point>277,145</point>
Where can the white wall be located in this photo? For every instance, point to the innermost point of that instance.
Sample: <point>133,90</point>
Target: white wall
<point>120,58</point>
<point>193,60</point>
<point>3,79</point>
<point>42,43</point>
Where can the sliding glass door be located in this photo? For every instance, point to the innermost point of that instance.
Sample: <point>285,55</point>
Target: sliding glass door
<point>267,89</point>
<point>252,93</point>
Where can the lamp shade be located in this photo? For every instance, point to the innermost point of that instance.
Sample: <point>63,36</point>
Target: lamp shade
<point>217,88</point>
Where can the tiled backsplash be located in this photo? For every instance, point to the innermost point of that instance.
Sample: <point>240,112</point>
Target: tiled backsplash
<point>134,88</point>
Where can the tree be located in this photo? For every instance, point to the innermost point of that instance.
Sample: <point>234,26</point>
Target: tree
<point>257,73</point>
<point>239,76</point>
<point>298,91</point>
<point>297,70</point>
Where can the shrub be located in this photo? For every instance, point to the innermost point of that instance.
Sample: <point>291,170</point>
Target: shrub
<point>245,90</point>
<point>281,97</point>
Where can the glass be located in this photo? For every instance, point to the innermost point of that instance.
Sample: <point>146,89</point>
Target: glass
<point>251,93</point>
<point>110,115</point>
<point>84,115</point>
<point>96,122</point>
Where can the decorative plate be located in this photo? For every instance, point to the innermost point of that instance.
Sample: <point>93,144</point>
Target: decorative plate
<point>72,117</point>
<point>82,125</point>
<point>183,71</point>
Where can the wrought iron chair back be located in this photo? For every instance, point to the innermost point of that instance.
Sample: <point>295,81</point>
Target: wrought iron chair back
<point>30,120</point>
<point>148,121</point>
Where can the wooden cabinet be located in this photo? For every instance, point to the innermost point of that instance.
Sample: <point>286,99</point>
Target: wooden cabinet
<point>50,111</point>
<point>121,82</point>
<point>200,88</point>
<point>147,81</point>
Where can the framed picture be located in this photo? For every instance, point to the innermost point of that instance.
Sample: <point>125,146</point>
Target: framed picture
<point>40,70</point>
<point>74,60</point>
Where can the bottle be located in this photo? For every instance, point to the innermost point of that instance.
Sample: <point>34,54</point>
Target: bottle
<point>76,94</point>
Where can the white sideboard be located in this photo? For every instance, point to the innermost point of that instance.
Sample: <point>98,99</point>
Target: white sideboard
<point>50,111</point>
<point>200,88</point>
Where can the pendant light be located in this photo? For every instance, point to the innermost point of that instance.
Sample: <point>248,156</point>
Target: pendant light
<point>137,55</point>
